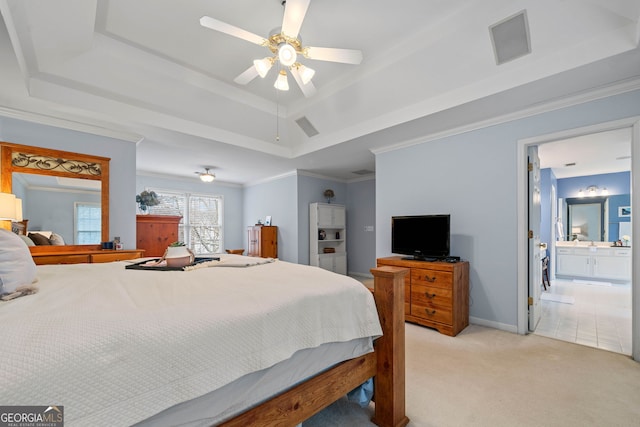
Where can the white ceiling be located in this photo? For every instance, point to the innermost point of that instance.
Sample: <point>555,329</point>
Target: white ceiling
<point>146,71</point>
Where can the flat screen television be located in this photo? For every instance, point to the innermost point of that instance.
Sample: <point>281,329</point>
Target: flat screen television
<point>423,237</point>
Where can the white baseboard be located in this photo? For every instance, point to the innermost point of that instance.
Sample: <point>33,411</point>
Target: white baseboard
<point>494,325</point>
<point>363,275</point>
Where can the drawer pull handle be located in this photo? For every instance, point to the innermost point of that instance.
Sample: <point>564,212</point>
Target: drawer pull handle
<point>430,312</point>
<point>428,295</point>
<point>430,279</point>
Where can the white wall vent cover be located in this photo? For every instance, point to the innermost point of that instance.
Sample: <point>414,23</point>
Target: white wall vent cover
<point>510,38</point>
<point>307,127</point>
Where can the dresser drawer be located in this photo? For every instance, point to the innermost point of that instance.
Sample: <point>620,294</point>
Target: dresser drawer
<point>116,256</point>
<point>430,296</point>
<point>433,278</point>
<point>61,259</point>
<point>435,314</point>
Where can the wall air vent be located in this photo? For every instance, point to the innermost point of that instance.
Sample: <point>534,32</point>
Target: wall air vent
<point>510,38</point>
<point>307,127</point>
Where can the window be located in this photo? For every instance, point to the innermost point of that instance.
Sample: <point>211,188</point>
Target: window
<point>201,225</point>
<point>88,223</point>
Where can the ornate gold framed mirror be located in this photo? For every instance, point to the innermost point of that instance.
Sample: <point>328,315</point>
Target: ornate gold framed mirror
<point>24,159</point>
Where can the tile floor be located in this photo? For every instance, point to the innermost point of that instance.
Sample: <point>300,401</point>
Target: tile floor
<point>599,317</point>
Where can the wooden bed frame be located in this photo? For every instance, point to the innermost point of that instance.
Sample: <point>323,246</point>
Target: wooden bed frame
<point>386,365</point>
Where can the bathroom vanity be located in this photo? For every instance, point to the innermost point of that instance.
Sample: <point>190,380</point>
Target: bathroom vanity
<point>597,261</point>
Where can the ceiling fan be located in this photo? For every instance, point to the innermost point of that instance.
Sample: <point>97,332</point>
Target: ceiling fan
<point>285,46</point>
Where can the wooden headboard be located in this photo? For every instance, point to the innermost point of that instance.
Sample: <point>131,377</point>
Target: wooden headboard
<point>20,227</point>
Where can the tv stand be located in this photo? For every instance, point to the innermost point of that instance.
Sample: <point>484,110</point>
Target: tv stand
<point>419,258</point>
<point>436,293</point>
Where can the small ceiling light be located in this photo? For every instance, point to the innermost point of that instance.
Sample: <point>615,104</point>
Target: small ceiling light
<point>287,54</point>
<point>207,176</point>
<point>281,82</point>
<point>263,66</point>
<point>306,73</point>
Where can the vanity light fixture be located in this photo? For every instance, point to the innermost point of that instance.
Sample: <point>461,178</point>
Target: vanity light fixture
<point>592,191</point>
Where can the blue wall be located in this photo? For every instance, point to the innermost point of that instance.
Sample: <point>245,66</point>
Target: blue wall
<point>618,186</point>
<point>473,176</point>
<point>232,201</point>
<point>122,166</point>
<point>277,198</point>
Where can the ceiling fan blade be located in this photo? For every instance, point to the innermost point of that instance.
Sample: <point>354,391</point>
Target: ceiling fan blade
<point>248,75</point>
<point>294,12</point>
<point>346,56</point>
<point>223,27</point>
<point>307,89</point>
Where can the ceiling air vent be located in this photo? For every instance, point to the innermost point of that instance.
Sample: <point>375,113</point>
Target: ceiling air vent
<point>307,127</point>
<point>510,38</point>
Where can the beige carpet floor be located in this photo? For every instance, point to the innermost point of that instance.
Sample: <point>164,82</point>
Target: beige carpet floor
<point>487,377</point>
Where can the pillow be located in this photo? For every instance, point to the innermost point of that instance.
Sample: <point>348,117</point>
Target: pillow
<point>16,264</point>
<point>27,240</point>
<point>56,239</point>
<point>39,239</point>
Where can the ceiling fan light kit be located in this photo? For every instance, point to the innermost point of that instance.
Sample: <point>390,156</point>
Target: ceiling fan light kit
<point>281,82</point>
<point>206,176</point>
<point>286,46</point>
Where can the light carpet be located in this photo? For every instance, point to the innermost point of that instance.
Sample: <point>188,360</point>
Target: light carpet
<point>487,377</point>
<point>564,299</point>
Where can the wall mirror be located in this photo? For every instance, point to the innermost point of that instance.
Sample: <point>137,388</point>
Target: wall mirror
<point>586,219</point>
<point>54,173</point>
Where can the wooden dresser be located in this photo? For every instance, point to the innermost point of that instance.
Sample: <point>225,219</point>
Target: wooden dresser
<point>262,241</point>
<point>436,293</point>
<point>155,232</point>
<point>74,254</point>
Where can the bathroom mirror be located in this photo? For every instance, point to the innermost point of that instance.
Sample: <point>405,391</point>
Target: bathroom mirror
<point>586,219</point>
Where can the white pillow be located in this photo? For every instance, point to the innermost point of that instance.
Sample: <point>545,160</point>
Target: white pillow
<point>16,264</point>
<point>27,240</point>
<point>56,239</point>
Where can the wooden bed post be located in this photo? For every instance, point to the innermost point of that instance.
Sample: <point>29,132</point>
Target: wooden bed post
<point>389,382</point>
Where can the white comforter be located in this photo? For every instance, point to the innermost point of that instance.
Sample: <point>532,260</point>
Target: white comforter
<point>116,346</point>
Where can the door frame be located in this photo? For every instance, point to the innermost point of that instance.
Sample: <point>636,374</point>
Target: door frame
<point>522,193</point>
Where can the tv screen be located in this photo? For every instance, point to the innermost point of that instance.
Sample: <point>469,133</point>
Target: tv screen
<point>421,236</point>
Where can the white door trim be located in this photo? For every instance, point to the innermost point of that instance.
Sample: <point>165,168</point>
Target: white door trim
<point>522,213</point>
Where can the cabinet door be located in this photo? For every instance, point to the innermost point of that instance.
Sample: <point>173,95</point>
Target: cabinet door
<point>612,267</point>
<point>340,263</point>
<point>325,262</point>
<point>573,265</point>
<point>325,215</point>
<point>339,217</point>
<point>253,241</point>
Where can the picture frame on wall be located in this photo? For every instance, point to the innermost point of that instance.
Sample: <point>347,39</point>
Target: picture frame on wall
<point>267,221</point>
<point>624,211</point>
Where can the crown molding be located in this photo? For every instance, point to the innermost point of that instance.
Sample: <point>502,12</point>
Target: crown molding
<point>568,101</point>
<point>58,122</point>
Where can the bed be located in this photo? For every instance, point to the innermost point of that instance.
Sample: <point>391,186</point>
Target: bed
<point>116,346</point>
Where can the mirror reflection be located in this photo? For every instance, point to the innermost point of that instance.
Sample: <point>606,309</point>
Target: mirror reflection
<point>586,220</point>
<point>67,207</point>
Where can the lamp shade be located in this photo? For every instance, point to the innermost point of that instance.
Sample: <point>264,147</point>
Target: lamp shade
<point>263,66</point>
<point>306,73</point>
<point>18,209</point>
<point>8,207</point>
<point>281,82</point>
